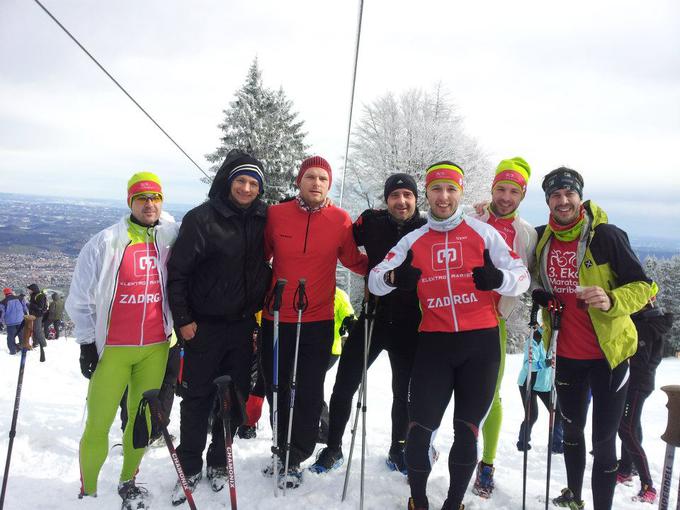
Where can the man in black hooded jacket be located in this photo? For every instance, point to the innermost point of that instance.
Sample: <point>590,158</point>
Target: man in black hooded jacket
<point>217,280</point>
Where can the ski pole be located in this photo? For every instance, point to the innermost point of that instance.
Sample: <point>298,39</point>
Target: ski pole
<point>157,415</point>
<point>224,385</point>
<point>276,306</point>
<point>672,439</point>
<point>368,331</point>
<point>13,428</point>
<point>555,308</point>
<point>533,322</point>
<point>299,304</point>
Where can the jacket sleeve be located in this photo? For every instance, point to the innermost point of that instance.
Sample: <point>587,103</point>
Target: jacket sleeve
<point>393,259</point>
<point>632,289</point>
<point>2,313</point>
<point>516,278</point>
<point>349,254</point>
<point>187,252</point>
<point>81,302</point>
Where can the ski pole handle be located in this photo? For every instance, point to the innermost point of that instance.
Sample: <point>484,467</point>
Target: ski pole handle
<point>278,293</point>
<point>533,316</point>
<point>556,309</point>
<point>301,302</point>
<point>223,383</point>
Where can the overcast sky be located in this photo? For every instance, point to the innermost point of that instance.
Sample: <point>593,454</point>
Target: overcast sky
<point>594,85</point>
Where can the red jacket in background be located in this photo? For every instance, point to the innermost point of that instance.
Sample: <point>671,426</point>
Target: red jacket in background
<point>308,245</point>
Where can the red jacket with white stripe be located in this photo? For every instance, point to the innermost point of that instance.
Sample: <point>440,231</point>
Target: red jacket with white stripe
<point>449,300</point>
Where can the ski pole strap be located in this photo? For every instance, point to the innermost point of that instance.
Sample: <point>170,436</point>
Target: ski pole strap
<point>277,294</point>
<point>533,316</point>
<point>300,302</point>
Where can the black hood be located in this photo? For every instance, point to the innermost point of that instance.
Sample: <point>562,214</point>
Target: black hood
<point>34,287</point>
<point>235,158</point>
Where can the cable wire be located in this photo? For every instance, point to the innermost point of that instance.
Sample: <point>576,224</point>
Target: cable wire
<point>351,103</point>
<point>120,86</point>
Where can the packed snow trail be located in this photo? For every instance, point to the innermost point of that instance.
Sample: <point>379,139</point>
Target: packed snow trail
<point>44,471</point>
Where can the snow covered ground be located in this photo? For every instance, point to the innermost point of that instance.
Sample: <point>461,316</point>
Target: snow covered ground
<point>44,470</point>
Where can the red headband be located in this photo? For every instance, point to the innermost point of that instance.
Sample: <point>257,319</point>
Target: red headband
<point>143,187</point>
<point>511,176</point>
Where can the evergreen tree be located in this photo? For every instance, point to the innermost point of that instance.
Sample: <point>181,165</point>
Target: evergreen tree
<point>261,122</point>
<point>666,273</point>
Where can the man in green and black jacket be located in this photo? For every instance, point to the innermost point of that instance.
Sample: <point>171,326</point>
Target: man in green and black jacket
<point>588,266</point>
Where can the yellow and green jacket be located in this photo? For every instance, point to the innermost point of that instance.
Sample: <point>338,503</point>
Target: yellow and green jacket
<point>606,259</point>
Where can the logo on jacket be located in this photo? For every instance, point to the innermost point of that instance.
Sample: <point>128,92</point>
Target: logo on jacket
<point>589,263</point>
<point>145,263</point>
<point>447,254</point>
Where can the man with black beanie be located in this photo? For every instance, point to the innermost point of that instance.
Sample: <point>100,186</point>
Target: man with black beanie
<point>395,329</point>
<point>217,279</point>
<point>588,265</point>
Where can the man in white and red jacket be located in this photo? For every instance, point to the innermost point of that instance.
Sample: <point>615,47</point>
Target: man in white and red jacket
<point>306,237</point>
<point>456,264</point>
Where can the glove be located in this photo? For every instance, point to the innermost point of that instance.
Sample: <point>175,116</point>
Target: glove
<point>542,297</point>
<point>347,324</point>
<point>406,276</point>
<point>487,277</point>
<point>88,359</point>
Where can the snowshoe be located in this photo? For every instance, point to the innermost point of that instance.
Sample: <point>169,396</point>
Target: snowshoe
<point>329,458</point>
<point>218,477</point>
<point>396,459</point>
<point>647,494</point>
<point>267,470</point>
<point>134,497</point>
<point>292,479</point>
<point>484,484</point>
<point>567,500</point>
<point>178,496</point>
<point>246,432</point>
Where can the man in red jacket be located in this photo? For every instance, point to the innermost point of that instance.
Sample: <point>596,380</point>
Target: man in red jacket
<point>305,236</point>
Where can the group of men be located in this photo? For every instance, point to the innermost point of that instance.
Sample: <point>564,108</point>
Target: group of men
<point>14,309</point>
<point>441,287</point>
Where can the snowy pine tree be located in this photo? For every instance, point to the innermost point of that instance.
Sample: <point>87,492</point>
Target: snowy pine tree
<point>666,274</point>
<point>261,122</point>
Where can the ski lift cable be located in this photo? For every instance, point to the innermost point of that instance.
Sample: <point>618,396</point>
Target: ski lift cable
<point>351,102</point>
<point>119,86</point>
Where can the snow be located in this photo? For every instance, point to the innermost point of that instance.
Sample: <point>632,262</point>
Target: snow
<point>44,470</point>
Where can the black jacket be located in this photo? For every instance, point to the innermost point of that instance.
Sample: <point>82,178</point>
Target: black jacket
<point>217,270</point>
<point>37,304</point>
<point>652,326</point>
<point>378,233</point>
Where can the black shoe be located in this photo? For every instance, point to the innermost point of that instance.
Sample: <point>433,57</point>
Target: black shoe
<point>218,477</point>
<point>522,447</point>
<point>178,496</point>
<point>134,498</point>
<point>328,458</point>
<point>396,459</point>
<point>567,500</point>
<point>246,432</point>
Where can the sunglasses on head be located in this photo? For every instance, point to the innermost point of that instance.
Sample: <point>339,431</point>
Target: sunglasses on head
<point>154,197</point>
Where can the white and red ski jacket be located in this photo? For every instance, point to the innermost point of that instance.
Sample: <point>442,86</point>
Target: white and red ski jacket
<point>449,300</point>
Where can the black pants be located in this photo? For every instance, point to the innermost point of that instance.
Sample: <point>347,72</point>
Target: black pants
<point>400,343</point>
<point>466,365</point>
<point>166,394</point>
<point>545,398</point>
<point>316,339</point>
<point>630,432</point>
<point>573,380</point>
<point>219,348</point>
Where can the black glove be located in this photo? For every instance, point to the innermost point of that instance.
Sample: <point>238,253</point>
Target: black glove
<point>406,276</point>
<point>347,324</point>
<point>88,359</point>
<point>542,297</point>
<point>487,277</point>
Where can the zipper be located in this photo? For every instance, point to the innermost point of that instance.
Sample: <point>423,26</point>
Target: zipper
<point>146,288</point>
<point>448,284</point>
<point>309,217</point>
<point>160,280</point>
